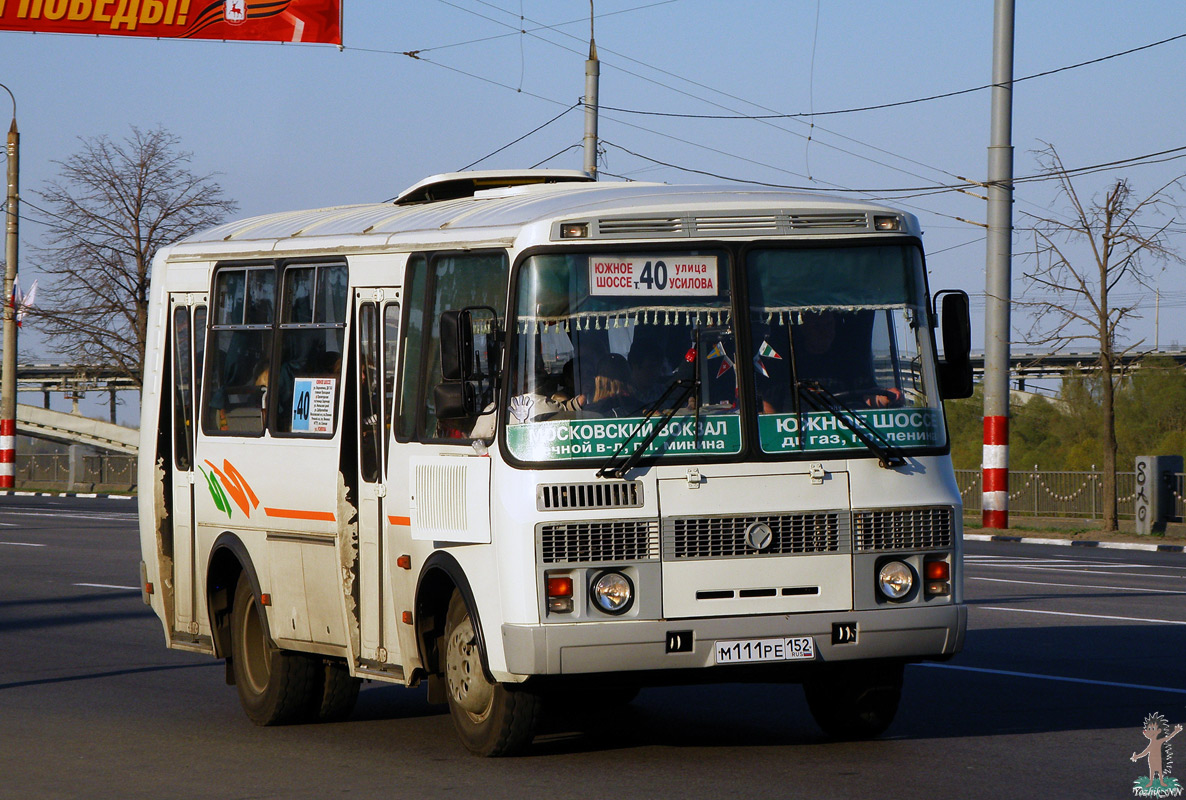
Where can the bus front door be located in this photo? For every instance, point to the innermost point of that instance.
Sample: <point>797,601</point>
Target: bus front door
<point>377,332</point>
<point>187,337</point>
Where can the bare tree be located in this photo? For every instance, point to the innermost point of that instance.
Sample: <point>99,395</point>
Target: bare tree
<point>112,207</point>
<point>1079,262</point>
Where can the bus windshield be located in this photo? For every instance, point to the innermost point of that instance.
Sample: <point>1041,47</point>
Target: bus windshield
<point>609,346</point>
<point>841,332</point>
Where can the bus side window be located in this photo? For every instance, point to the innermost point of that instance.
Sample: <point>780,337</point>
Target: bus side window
<point>312,338</point>
<point>370,424</point>
<point>390,351</point>
<point>459,280</point>
<point>410,370</point>
<point>183,396</point>
<point>239,361</point>
<point>199,350</point>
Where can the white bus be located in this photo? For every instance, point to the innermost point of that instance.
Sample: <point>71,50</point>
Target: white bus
<point>525,436</point>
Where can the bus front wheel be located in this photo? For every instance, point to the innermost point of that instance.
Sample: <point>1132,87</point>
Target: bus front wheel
<point>855,700</point>
<point>491,718</point>
<point>276,687</point>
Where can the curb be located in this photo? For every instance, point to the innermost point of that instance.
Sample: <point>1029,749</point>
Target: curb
<point>1152,548</point>
<point>13,493</point>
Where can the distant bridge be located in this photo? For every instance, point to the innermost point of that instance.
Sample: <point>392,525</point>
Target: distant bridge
<point>74,380</point>
<point>1024,365</point>
<point>75,429</point>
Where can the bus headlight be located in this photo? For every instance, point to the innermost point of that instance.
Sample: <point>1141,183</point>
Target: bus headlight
<point>895,580</point>
<point>612,592</point>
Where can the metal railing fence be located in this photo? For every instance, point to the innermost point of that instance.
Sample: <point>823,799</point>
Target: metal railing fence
<point>1057,493</point>
<point>98,472</point>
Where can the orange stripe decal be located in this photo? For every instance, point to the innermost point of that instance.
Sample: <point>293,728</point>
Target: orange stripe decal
<point>294,513</point>
<point>405,521</point>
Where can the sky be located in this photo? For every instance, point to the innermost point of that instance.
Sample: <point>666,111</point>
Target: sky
<point>436,85</point>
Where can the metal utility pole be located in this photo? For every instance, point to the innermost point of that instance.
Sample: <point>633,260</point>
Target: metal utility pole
<point>998,276</point>
<point>592,77</point>
<point>8,362</point>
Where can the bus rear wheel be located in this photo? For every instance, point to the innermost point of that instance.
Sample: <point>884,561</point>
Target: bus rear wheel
<point>855,700</point>
<point>491,718</point>
<point>276,687</point>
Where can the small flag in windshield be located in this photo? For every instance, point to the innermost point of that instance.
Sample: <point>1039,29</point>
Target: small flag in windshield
<point>760,367</point>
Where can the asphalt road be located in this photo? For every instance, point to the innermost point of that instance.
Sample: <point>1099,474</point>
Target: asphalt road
<point>1068,651</point>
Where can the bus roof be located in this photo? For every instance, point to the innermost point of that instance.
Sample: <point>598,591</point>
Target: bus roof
<point>614,211</point>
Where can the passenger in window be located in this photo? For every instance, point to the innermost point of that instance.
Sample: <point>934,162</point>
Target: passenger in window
<point>548,398</point>
<point>613,395</point>
<point>839,363</point>
<point>649,371</point>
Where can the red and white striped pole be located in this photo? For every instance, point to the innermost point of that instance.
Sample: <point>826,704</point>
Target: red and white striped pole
<point>994,473</point>
<point>7,453</point>
<point>998,276</point>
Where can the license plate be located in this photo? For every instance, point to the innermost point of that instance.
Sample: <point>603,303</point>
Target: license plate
<point>783,648</point>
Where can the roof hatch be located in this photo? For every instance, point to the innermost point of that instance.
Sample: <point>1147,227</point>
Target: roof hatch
<point>454,185</point>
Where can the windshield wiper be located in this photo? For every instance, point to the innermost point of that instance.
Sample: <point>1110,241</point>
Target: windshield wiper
<point>823,400</point>
<point>689,385</point>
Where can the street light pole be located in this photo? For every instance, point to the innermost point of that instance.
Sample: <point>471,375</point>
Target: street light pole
<point>592,78</point>
<point>8,359</point>
<point>998,277</point>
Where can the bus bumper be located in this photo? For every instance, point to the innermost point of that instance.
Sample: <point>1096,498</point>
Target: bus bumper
<point>599,647</point>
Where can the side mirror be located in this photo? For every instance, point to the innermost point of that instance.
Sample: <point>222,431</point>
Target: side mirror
<point>470,357</point>
<point>455,400</point>
<point>955,371</point>
<point>469,344</point>
<point>457,345</point>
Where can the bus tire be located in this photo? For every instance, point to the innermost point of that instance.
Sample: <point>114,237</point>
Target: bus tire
<point>276,687</point>
<point>855,701</point>
<point>491,718</point>
<point>339,692</point>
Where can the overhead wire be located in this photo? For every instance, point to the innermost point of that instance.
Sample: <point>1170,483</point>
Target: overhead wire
<point>703,99</point>
<point>543,27</point>
<point>900,103</point>
<point>760,117</point>
<point>725,153</point>
<point>554,155</point>
<point>524,136</point>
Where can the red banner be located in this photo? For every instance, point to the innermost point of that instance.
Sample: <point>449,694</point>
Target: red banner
<point>239,20</point>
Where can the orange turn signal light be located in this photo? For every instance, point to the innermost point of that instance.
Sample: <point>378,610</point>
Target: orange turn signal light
<point>937,571</point>
<point>559,586</point>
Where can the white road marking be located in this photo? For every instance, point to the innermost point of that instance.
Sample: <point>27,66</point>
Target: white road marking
<point>1083,567</point>
<point>1088,616</point>
<point>23,544</point>
<point>120,516</point>
<point>1062,678</point>
<point>1080,585</point>
<point>107,586</point>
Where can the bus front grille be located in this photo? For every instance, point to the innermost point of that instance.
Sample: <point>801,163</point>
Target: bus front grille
<point>592,542</point>
<point>567,496</point>
<point>725,537</point>
<point>903,529</point>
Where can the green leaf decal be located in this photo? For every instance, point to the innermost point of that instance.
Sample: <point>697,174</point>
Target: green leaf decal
<point>221,501</point>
